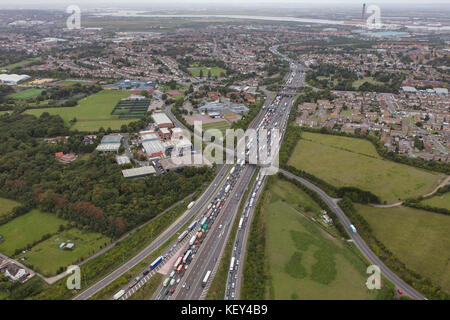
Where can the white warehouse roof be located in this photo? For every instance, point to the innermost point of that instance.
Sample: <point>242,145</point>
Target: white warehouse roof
<point>138,172</point>
<point>13,78</point>
<point>161,118</point>
<point>152,147</point>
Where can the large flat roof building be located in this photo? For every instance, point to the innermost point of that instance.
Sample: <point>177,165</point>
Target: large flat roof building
<point>162,120</point>
<point>108,147</point>
<point>153,148</point>
<point>139,172</point>
<point>189,160</point>
<point>112,138</point>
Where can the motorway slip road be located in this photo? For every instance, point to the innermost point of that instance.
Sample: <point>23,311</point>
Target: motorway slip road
<point>359,242</point>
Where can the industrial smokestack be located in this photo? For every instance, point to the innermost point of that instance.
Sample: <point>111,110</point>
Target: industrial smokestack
<point>363,12</point>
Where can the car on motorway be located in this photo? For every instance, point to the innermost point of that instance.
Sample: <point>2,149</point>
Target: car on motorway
<point>232,295</point>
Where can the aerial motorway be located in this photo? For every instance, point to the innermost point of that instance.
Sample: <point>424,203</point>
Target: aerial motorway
<point>190,279</point>
<point>190,263</point>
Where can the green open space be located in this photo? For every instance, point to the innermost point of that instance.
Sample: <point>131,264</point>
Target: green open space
<point>26,94</point>
<point>27,229</point>
<point>304,260</point>
<point>215,71</point>
<point>6,206</point>
<point>352,162</point>
<point>370,80</point>
<point>48,259</point>
<point>221,126</point>
<point>418,238</point>
<point>438,201</point>
<point>20,64</point>
<point>92,112</point>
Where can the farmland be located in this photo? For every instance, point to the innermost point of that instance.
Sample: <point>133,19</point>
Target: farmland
<point>418,238</point>
<point>343,161</point>
<point>305,261</point>
<point>26,229</point>
<point>92,112</point>
<point>47,258</point>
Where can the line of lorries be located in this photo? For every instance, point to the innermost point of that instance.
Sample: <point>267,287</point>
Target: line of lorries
<point>204,224</point>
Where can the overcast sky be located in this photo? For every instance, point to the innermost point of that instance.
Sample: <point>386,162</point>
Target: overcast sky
<point>148,4</point>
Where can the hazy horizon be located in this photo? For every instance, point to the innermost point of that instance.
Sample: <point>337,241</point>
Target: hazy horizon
<point>222,4</point>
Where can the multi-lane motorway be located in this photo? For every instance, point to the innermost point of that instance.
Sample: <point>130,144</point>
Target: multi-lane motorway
<point>220,203</point>
<point>173,229</point>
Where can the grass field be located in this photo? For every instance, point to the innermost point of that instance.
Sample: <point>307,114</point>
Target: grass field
<point>20,64</point>
<point>359,82</point>
<point>26,94</point>
<point>47,258</point>
<point>222,126</point>
<point>92,112</point>
<point>305,262</point>
<point>344,161</point>
<point>439,201</point>
<point>7,205</point>
<point>214,71</point>
<point>418,238</point>
<point>26,229</point>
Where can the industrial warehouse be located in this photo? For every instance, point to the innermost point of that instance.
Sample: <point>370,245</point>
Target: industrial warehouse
<point>150,151</point>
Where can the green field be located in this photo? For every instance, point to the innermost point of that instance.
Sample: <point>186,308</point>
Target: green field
<point>359,82</point>
<point>214,71</point>
<point>222,126</point>
<point>20,64</point>
<point>26,229</point>
<point>343,161</point>
<point>442,201</point>
<point>92,112</point>
<point>47,258</point>
<point>418,238</point>
<point>306,262</point>
<point>7,205</point>
<point>26,94</point>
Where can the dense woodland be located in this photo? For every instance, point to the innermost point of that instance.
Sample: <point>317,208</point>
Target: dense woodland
<point>90,191</point>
